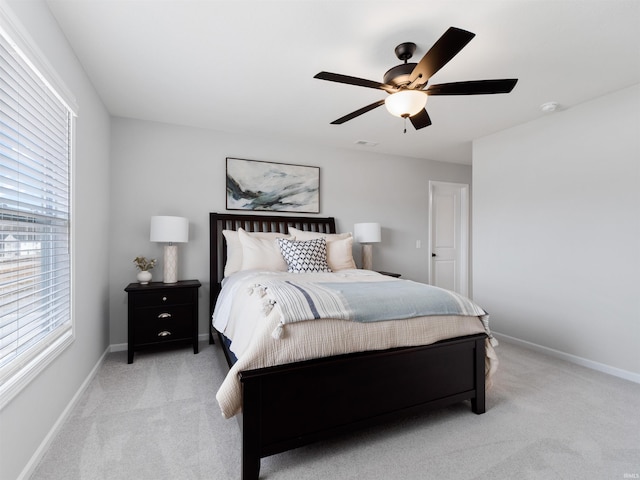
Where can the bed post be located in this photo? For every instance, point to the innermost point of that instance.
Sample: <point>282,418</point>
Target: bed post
<point>250,429</point>
<point>478,402</point>
<point>213,269</point>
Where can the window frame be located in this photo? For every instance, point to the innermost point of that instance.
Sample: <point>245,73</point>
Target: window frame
<point>18,373</point>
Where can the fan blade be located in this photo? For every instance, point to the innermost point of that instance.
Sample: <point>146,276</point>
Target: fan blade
<point>357,113</point>
<point>359,82</point>
<point>473,87</point>
<point>447,47</point>
<point>420,120</point>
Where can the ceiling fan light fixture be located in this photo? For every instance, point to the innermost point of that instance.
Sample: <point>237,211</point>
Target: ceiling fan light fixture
<point>406,103</point>
<point>406,84</point>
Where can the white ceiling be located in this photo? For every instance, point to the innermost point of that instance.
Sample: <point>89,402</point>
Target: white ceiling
<point>247,66</point>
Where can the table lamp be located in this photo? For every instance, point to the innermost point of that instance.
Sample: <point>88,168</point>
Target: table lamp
<point>170,230</point>
<point>366,234</point>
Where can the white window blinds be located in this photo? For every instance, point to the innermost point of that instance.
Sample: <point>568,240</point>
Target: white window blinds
<point>35,254</point>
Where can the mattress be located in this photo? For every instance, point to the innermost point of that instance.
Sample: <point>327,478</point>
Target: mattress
<point>249,320</point>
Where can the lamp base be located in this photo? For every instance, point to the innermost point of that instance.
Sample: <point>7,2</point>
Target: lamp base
<point>367,257</point>
<point>170,264</point>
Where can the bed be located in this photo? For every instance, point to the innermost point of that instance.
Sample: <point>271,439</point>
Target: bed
<point>289,405</point>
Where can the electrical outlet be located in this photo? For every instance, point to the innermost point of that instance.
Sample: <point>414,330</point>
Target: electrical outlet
<point>418,243</point>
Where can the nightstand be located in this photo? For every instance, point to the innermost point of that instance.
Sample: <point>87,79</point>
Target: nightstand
<point>162,314</point>
<point>390,274</point>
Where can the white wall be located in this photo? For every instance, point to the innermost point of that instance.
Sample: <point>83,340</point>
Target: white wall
<point>30,416</point>
<point>161,169</point>
<point>557,231</point>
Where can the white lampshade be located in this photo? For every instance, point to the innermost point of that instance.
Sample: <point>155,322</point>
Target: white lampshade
<point>406,103</point>
<point>366,232</point>
<point>169,229</point>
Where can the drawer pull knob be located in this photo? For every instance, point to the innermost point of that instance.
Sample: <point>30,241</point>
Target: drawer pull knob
<point>164,333</point>
<point>164,315</point>
<point>164,299</point>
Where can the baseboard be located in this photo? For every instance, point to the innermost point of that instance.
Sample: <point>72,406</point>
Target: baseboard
<point>46,442</point>
<point>600,367</point>
<point>120,347</point>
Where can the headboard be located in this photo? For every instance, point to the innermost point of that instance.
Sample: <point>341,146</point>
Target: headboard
<point>252,223</point>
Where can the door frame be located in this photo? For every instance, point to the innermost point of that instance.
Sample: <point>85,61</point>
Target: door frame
<point>463,267</point>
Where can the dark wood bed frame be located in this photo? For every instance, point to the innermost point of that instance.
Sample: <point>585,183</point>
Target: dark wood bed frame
<point>287,406</point>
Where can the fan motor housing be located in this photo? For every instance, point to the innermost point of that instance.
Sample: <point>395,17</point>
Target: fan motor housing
<point>398,76</point>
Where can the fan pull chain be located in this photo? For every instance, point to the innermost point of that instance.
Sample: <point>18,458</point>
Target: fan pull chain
<point>405,124</point>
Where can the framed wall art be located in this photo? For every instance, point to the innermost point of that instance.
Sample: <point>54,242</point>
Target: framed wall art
<point>273,187</point>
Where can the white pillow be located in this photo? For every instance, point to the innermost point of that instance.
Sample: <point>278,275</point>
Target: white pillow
<point>339,247</point>
<point>234,247</point>
<point>307,256</point>
<point>340,254</point>
<point>261,253</point>
<point>234,252</point>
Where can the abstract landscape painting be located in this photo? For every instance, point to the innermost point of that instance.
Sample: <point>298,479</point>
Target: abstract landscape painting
<point>257,185</point>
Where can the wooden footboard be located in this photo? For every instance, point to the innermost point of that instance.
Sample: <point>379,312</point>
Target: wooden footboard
<point>288,406</point>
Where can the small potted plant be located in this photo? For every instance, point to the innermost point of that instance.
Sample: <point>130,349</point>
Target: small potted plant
<point>144,265</point>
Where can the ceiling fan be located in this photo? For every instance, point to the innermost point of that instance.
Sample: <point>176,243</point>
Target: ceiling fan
<point>406,82</point>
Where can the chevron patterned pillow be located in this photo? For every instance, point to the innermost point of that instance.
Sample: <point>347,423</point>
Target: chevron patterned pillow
<point>307,256</point>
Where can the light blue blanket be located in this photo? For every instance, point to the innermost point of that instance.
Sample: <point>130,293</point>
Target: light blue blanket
<point>377,301</point>
<point>365,301</point>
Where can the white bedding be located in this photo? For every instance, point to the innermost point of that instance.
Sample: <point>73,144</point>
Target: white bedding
<point>241,317</point>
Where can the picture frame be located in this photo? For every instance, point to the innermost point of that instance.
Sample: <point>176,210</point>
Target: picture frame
<point>270,186</point>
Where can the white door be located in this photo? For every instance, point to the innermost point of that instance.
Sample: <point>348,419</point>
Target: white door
<point>449,236</point>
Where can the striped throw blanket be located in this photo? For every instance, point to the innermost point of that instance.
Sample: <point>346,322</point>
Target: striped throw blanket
<point>363,301</point>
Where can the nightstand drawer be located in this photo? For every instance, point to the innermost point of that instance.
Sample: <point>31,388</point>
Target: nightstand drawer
<point>158,324</point>
<point>165,297</point>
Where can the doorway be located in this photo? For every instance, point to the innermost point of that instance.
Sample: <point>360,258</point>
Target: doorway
<point>449,236</point>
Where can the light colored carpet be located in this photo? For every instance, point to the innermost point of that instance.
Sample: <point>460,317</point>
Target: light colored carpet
<point>158,419</point>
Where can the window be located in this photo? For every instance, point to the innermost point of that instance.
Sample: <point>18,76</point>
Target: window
<point>36,127</point>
